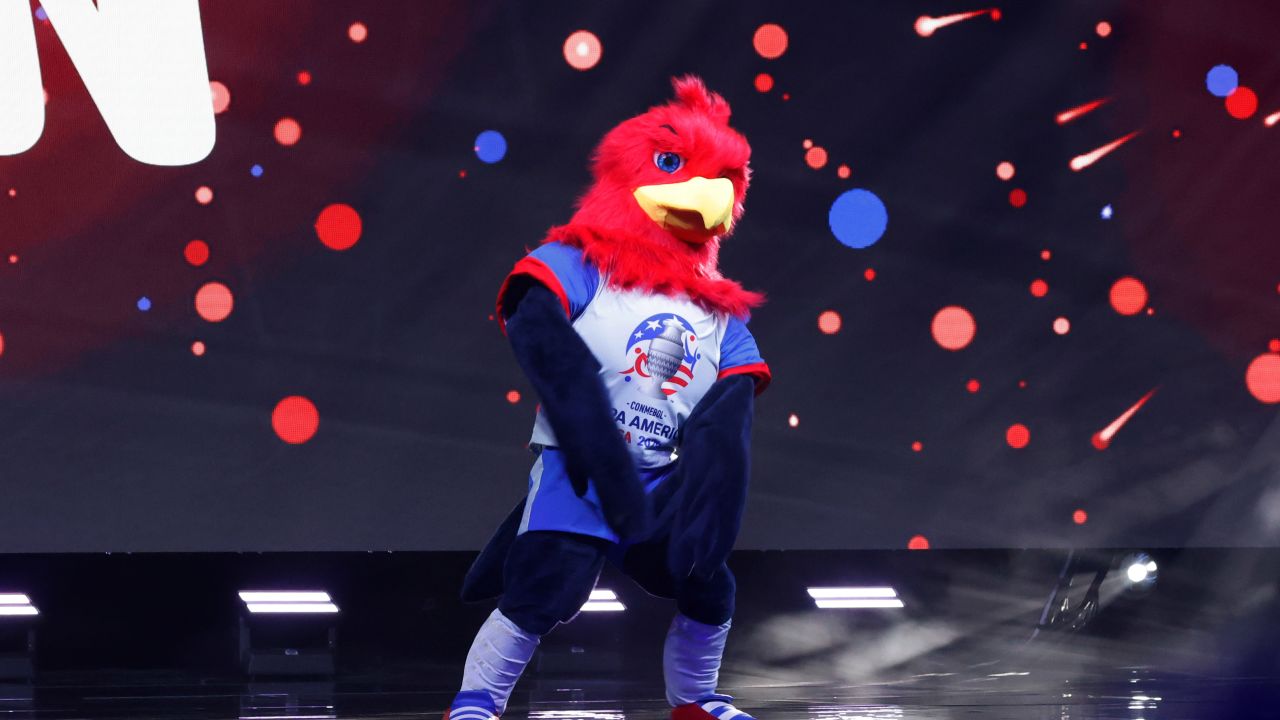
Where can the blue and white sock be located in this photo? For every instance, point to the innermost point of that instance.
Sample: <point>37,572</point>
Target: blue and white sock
<point>691,659</point>
<point>498,656</point>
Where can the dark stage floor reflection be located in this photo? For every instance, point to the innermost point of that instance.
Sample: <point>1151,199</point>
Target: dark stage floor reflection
<point>1053,634</point>
<point>1116,693</point>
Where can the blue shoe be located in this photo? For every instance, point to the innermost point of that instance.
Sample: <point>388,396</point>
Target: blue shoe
<point>472,705</point>
<point>711,707</point>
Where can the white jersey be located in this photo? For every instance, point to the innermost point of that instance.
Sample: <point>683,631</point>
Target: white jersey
<point>658,354</point>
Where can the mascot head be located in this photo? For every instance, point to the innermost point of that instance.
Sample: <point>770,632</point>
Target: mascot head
<point>669,185</point>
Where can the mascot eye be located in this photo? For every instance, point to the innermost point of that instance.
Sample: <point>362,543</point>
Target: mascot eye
<point>668,162</point>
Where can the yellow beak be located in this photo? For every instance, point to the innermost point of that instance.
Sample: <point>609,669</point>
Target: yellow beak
<point>694,209</point>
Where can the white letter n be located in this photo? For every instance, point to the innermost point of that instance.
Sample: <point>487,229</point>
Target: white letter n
<point>142,62</point>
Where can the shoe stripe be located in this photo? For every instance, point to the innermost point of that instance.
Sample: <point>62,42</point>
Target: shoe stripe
<point>722,710</point>
<point>470,711</point>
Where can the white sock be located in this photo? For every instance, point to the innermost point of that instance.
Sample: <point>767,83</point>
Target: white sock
<point>498,656</point>
<point>691,659</point>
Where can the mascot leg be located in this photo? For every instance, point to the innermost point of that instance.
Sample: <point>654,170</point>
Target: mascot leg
<point>696,639</point>
<point>548,577</point>
<point>695,646</point>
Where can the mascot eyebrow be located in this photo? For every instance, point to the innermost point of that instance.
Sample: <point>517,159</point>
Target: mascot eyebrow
<point>673,130</point>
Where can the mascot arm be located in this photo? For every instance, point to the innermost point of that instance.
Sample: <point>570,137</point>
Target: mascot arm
<point>715,451</point>
<point>566,376</point>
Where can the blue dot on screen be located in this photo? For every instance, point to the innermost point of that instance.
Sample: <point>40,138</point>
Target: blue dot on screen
<point>1222,80</point>
<point>858,218</point>
<point>41,15</point>
<point>491,146</point>
<point>256,171</point>
<point>144,303</point>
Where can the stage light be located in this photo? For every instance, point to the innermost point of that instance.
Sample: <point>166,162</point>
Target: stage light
<point>849,598</point>
<point>18,617</point>
<point>288,632</point>
<point>288,602</point>
<point>13,604</point>
<point>603,601</point>
<point>292,608</point>
<point>1140,570</point>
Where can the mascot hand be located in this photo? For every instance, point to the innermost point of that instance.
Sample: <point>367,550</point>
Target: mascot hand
<point>714,467</point>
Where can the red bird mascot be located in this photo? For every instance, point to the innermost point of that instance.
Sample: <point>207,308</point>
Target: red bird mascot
<point>639,351</point>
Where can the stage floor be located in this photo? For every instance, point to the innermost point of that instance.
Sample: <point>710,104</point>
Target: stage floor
<point>1114,693</point>
<point>981,634</point>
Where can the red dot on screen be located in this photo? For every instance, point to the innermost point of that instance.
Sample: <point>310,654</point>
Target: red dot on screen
<point>1017,197</point>
<point>513,396</point>
<point>339,226</point>
<point>953,328</point>
<point>1039,288</point>
<point>1128,296</point>
<point>1079,517</point>
<point>816,157</point>
<point>221,97</point>
<point>304,78</point>
<point>1018,436</point>
<point>214,302</point>
<point>582,50</point>
<point>295,419</point>
<point>1242,103</point>
<point>287,131</point>
<point>829,322</point>
<point>918,542</point>
<point>770,40</point>
<point>358,32</point>
<point>764,82</point>
<point>196,252</point>
<point>1262,377</point>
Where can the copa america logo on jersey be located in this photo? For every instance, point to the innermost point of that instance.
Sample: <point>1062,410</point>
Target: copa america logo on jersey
<point>662,354</point>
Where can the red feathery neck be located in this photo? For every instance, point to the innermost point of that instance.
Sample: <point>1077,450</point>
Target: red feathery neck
<point>632,261</point>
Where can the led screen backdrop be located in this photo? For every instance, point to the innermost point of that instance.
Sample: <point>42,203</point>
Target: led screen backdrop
<point>1022,269</point>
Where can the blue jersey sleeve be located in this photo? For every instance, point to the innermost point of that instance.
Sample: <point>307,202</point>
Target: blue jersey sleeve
<point>562,269</point>
<point>739,355</point>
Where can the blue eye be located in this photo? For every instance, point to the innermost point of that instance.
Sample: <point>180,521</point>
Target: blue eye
<point>668,162</point>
